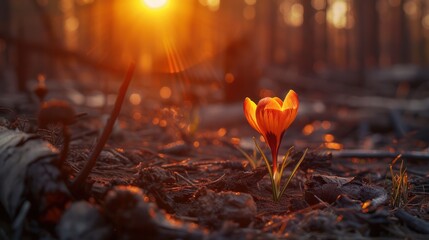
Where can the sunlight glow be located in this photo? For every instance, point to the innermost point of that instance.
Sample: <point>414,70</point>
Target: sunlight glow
<point>155,3</point>
<point>212,5</point>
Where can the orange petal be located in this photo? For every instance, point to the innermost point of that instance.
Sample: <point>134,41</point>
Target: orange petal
<point>269,120</point>
<point>291,101</point>
<point>289,116</point>
<point>271,103</point>
<point>279,101</point>
<point>249,108</point>
<point>271,123</point>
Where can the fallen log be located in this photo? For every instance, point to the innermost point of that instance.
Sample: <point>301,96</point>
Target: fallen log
<point>415,223</point>
<point>28,175</point>
<point>360,153</point>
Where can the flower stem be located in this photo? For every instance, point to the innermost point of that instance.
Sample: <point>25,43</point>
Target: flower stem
<point>274,154</point>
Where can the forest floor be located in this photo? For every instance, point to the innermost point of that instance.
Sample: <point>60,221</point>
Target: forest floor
<point>165,175</point>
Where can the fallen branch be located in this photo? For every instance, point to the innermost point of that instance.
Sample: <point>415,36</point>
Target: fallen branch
<point>360,153</point>
<point>78,183</point>
<point>411,105</point>
<point>415,223</point>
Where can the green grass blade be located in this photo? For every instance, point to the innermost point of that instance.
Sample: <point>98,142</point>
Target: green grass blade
<point>285,162</point>
<point>267,163</point>
<point>293,172</point>
<point>248,157</point>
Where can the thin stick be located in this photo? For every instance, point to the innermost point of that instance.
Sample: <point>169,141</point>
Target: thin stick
<point>185,179</point>
<point>106,132</point>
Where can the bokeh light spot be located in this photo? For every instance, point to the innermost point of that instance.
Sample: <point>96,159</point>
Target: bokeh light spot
<point>308,129</point>
<point>137,116</point>
<point>250,2</point>
<point>337,14</point>
<point>318,4</point>
<point>72,24</point>
<point>165,92</point>
<point>229,78</point>
<point>329,137</point>
<point>163,123</point>
<point>221,132</point>
<point>135,99</point>
<point>326,125</point>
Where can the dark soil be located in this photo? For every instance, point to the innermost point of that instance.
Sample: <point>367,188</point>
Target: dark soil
<point>157,180</point>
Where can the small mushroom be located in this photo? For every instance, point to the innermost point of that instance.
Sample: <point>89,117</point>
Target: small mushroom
<point>41,89</point>
<point>58,112</point>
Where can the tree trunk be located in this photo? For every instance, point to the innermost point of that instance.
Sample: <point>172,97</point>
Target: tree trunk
<point>21,64</point>
<point>399,42</point>
<point>273,6</point>
<point>371,31</point>
<point>5,21</point>
<point>307,43</point>
<point>360,43</point>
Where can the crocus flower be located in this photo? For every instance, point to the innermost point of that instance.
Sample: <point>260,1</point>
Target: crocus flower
<point>271,117</point>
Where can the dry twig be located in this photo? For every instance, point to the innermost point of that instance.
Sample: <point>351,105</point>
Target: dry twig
<point>106,132</point>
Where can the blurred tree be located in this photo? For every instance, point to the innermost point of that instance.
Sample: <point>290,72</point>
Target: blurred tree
<point>367,40</point>
<point>399,41</point>
<point>241,69</point>
<point>371,21</point>
<point>51,37</point>
<point>306,58</point>
<point>273,9</point>
<point>21,62</point>
<point>109,29</point>
<point>360,43</point>
<point>422,53</point>
<point>5,21</point>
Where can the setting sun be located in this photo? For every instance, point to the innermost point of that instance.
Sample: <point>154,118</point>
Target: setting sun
<point>155,3</point>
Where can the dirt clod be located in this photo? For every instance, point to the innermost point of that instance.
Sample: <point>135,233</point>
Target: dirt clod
<point>213,208</point>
